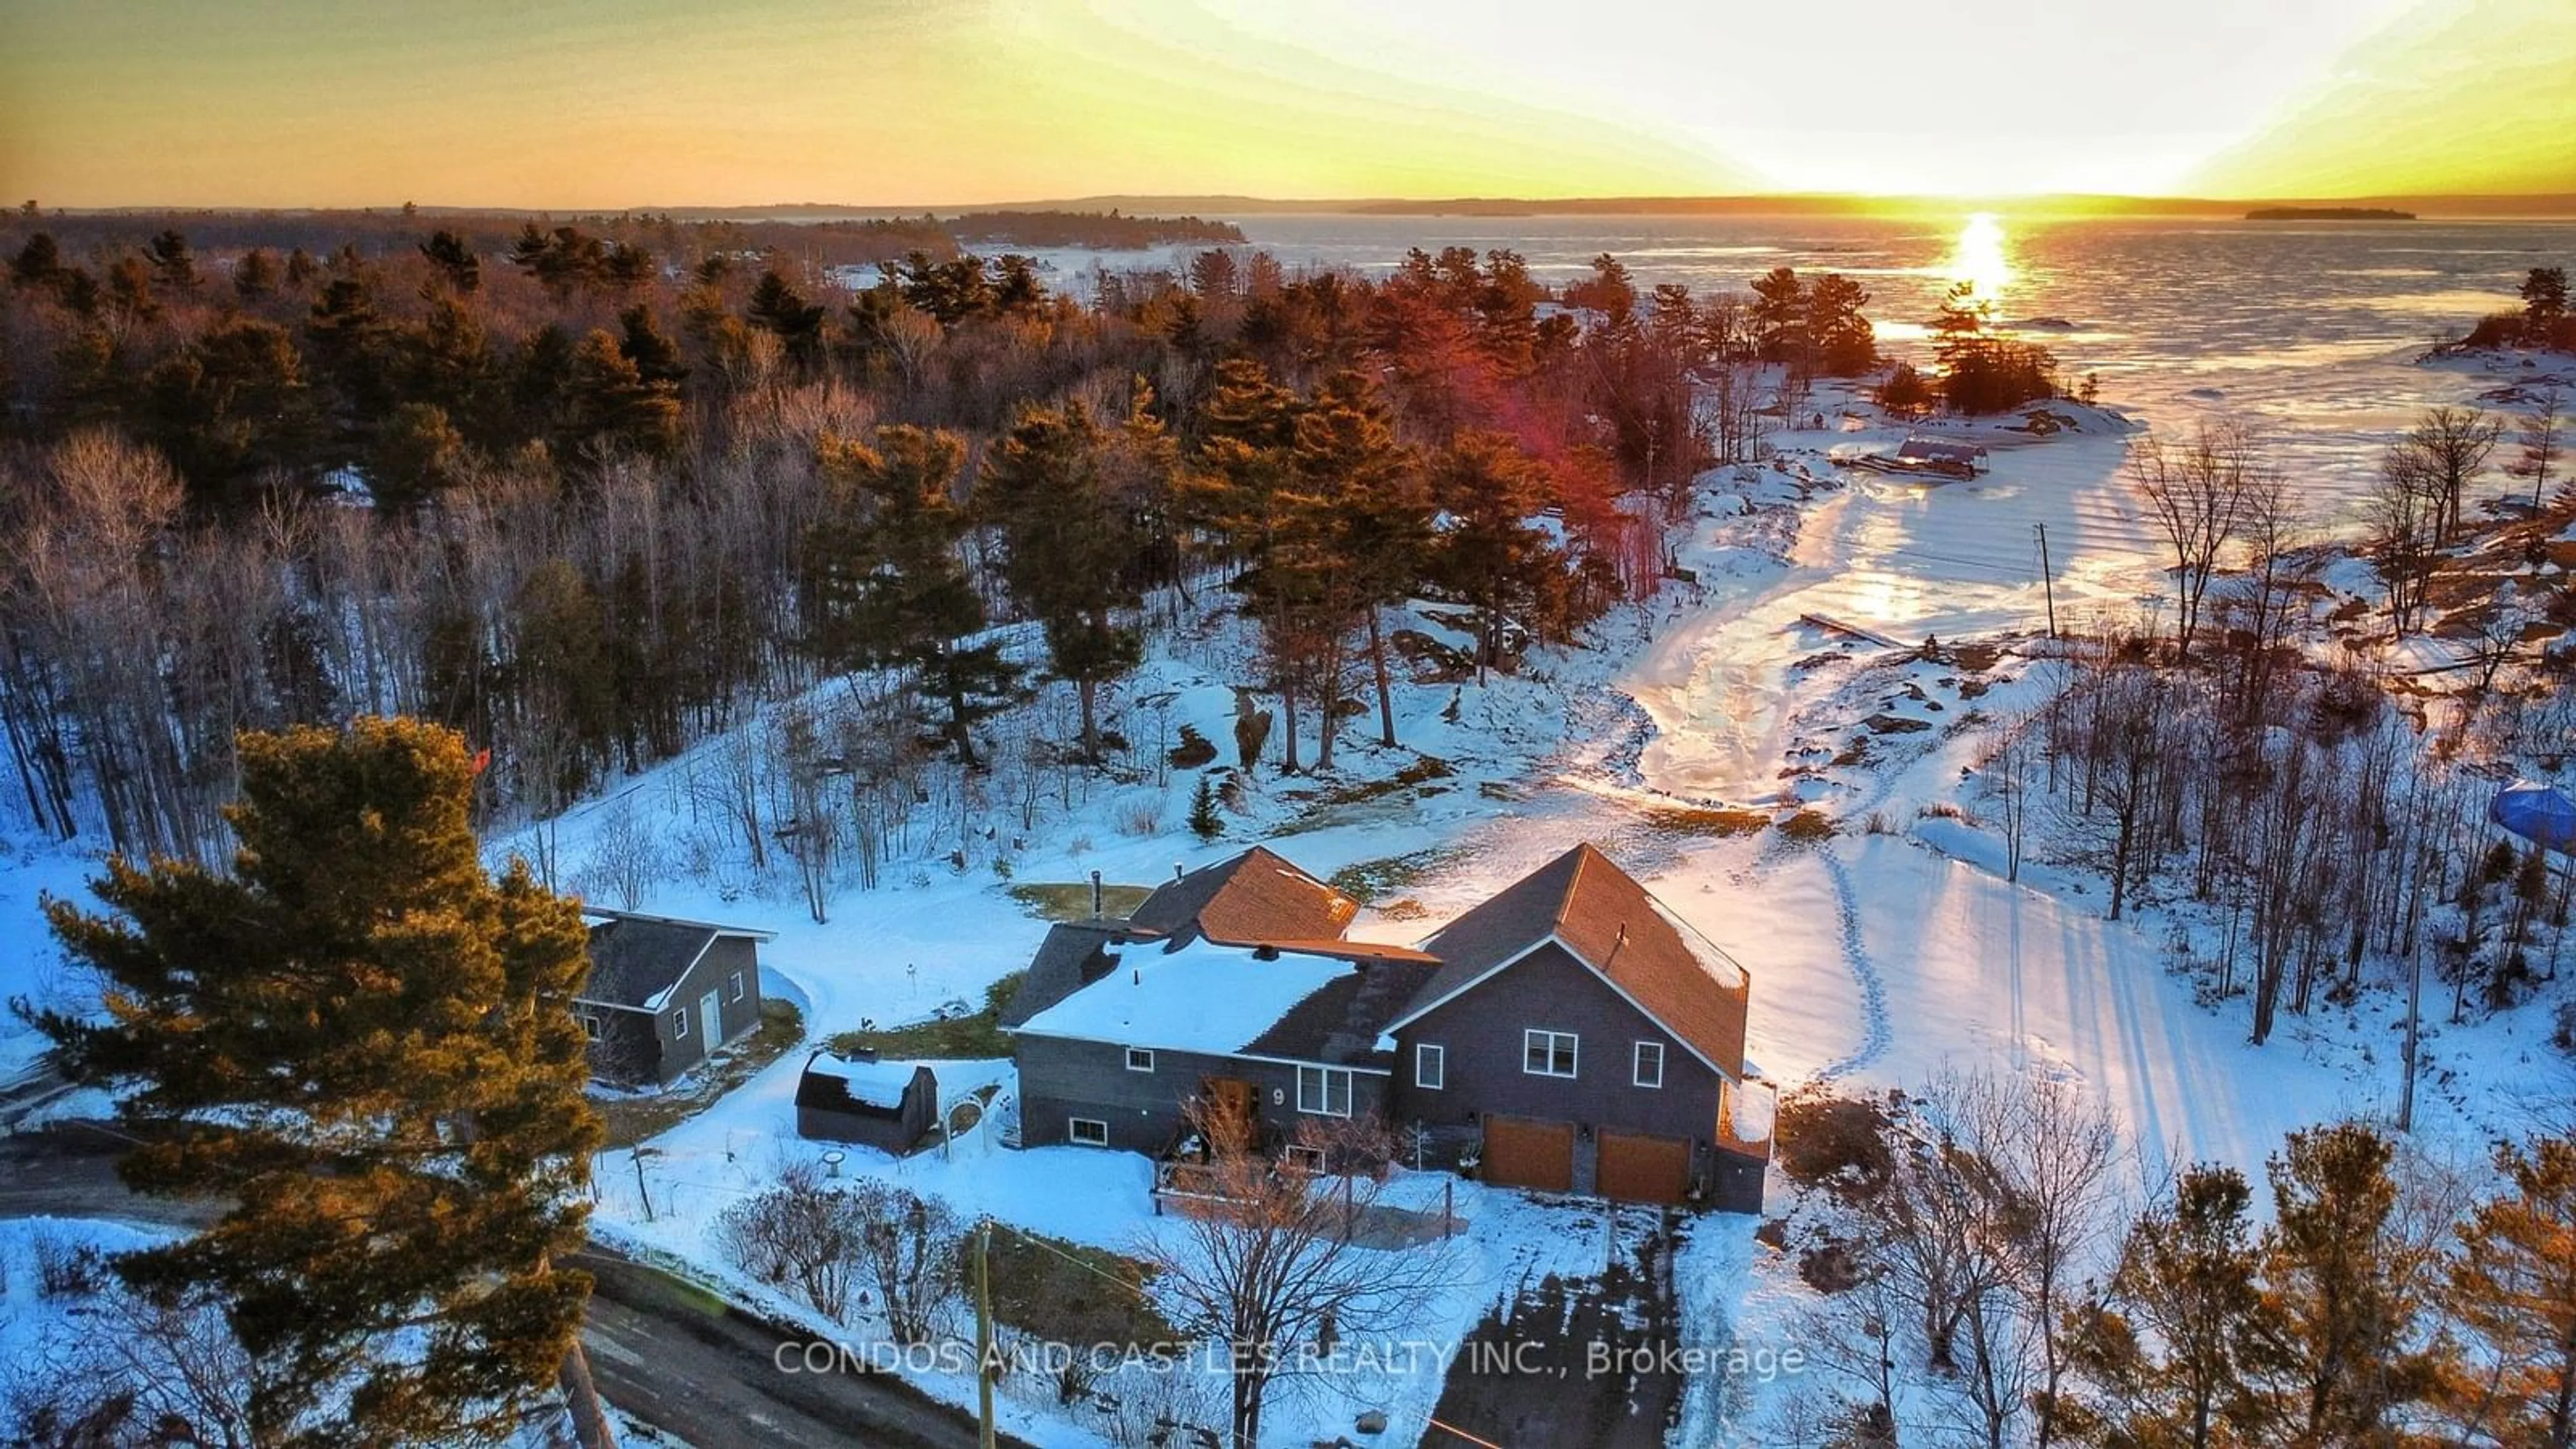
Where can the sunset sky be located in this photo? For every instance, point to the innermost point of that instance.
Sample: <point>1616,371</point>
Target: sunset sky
<point>591,104</point>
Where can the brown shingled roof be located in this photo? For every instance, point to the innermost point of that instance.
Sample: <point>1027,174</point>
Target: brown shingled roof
<point>1254,899</point>
<point>1613,925</point>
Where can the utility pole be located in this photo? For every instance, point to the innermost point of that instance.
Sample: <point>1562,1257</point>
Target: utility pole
<point>984,1333</point>
<point>2047,578</point>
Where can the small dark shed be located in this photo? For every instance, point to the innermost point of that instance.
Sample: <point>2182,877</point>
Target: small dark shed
<point>877,1104</point>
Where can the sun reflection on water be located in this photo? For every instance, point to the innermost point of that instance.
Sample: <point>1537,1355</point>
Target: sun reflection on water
<point>1981,259</point>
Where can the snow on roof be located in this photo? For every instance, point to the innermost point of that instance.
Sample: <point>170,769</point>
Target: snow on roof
<point>877,1084</point>
<point>1723,969</point>
<point>1200,998</point>
<point>1940,450</point>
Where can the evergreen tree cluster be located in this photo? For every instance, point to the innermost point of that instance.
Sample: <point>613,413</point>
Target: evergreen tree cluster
<point>587,492</point>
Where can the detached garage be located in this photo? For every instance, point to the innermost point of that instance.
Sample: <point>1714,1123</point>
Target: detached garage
<point>1523,1152</point>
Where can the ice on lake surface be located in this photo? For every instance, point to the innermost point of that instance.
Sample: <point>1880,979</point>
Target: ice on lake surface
<point>2310,330</point>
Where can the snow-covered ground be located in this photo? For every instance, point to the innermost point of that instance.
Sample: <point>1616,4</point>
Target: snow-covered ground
<point>1876,958</point>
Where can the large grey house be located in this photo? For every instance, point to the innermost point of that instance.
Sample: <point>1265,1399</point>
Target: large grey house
<point>663,994</point>
<point>1568,1035</point>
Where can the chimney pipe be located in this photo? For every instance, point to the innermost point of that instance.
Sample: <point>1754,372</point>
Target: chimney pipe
<point>1177,872</point>
<point>1095,895</point>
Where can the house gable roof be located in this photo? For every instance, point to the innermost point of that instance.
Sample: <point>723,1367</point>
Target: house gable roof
<point>636,959</point>
<point>1074,954</point>
<point>636,963</point>
<point>1256,898</point>
<point>1583,902</point>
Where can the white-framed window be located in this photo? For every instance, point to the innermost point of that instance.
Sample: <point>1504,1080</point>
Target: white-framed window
<point>1140,1059</point>
<point>1086,1132</point>
<point>590,1026</point>
<point>736,982</point>
<point>1548,1053</point>
<point>1299,1155</point>
<point>1649,1070</point>
<point>1430,1066</point>
<point>1324,1091</point>
<point>680,1024</point>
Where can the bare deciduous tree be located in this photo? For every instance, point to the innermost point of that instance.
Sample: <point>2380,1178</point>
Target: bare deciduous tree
<point>1271,1265</point>
<point>625,860</point>
<point>2402,532</point>
<point>2538,435</point>
<point>2198,493</point>
<point>797,1235</point>
<point>2448,447</point>
<point>909,1246</point>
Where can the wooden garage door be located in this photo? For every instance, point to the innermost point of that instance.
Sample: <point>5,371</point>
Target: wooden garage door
<point>1638,1168</point>
<point>1523,1153</point>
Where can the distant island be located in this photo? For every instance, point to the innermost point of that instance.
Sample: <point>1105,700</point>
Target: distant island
<point>2327,213</point>
<point>1105,231</point>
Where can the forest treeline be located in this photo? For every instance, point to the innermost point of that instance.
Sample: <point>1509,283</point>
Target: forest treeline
<point>589,499</point>
<point>809,237</point>
<point>1101,230</point>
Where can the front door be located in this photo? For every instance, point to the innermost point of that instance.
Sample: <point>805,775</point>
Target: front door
<point>1233,1104</point>
<point>711,1020</point>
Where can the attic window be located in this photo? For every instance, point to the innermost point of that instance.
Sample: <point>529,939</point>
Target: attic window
<point>1649,1066</point>
<point>1140,1059</point>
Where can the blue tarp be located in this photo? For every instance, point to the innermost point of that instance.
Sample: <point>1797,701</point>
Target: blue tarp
<point>2538,814</point>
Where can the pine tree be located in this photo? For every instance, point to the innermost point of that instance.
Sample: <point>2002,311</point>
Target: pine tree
<point>1364,523</point>
<point>783,312</point>
<point>885,586</point>
<point>39,263</point>
<point>1241,495</point>
<point>1489,554</point>
<point>1071,545</point>
<point>365,1046</point>
<point>255,275</point>
<point>174,263</point>
<point>233,405</point>
<point>654,352</point>
<point>454,258</point>
<point>2177,1345</point>
<point>2347,1275</point>
<point>612,399</point>
<point>1205,822</point>
<point>2515,1286</point>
